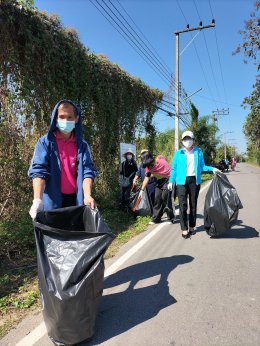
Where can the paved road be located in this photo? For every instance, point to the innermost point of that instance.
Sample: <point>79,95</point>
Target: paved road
<point>172,291</point>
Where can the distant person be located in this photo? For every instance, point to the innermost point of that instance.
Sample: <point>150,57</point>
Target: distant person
<point>128,168</point>
<point>159,168</point>
<point>140,174</point>
<point>62,170</point>
<point>233,163</point>
<point>187,166</point>
<point>227,163</point>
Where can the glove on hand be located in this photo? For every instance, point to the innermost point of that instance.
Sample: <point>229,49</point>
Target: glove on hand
<point>36,207</point>
<point>169,186</point>
<point>215,170</point>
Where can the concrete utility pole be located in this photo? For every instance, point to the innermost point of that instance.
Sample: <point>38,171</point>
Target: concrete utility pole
<point>225,143</point>
<point>214,120</point>
<point>177,33</point>
<point>219,112</point>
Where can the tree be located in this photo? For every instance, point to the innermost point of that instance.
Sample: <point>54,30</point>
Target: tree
<point>251,126</point>
<point>194,113</point>
<point>251,47</point>
<point>251,37</point>
<point>204,133</point>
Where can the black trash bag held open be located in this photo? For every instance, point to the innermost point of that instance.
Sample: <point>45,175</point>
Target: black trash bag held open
<point>70,244</point>
<point>221,206</point>
<point>142,206</point>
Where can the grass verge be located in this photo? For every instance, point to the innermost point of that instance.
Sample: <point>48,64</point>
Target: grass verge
<point>19,293</point>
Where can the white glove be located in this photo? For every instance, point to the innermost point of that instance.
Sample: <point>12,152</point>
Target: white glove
<point>169,186</point>
<point>215,170</point>
<point>36,207</point>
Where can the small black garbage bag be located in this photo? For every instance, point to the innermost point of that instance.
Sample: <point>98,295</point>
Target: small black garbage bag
<point>221,206</point>
<point>141,206</point>
<point>70,244</point>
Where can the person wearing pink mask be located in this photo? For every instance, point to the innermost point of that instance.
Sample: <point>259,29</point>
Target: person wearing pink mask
<point>187,166</point>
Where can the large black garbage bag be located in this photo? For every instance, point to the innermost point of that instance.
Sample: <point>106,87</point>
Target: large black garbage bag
<point>70,244</point>
<point>221,206</point>
<point>141,206</point>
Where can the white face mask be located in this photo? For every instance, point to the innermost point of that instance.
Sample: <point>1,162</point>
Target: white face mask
<point>129,157</point>
<point>187,143</point>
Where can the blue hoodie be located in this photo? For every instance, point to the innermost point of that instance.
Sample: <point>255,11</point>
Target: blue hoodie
<point>46,163</point>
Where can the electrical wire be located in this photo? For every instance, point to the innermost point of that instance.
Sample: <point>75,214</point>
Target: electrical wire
<point>162,62</point>
<point>166,70</point>
<point>202,69</point>
<point>131,39</point>
<point>211,67</point>
<point>137,45</point>
<point>221,71</point>
<point>151,55</point>
<point>184,121</point>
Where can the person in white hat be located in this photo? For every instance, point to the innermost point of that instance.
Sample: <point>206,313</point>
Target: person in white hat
<point>127,173</point>
<point>187,165</point>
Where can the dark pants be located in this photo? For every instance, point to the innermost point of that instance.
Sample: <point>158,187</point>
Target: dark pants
<point>68,200</point>
<point>192,190</point>
<point>162,199</point>
<point>125,195</point>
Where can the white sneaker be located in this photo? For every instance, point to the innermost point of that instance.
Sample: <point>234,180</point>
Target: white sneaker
<point>151,223</point>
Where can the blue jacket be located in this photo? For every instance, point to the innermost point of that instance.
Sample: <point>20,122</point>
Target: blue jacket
<point>179,166</point>
<point>46,164</point>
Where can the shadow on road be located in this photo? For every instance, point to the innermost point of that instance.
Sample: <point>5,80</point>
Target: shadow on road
<point>238,231</point>
<point>122,311</point>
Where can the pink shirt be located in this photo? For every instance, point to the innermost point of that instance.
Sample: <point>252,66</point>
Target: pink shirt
<point>68,156</point>
<point>161,168</point>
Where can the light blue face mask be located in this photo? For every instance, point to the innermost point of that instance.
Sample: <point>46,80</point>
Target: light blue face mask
<point>65,126</point>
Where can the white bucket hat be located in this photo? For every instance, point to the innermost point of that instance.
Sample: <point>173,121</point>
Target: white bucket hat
<point>129,151</point>
<point>187,134</point>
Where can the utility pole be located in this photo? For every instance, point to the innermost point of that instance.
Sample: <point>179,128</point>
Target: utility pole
<point>177,33</point>
<point>219,112</point>
<point>225,142</point>
<point>216,113</point>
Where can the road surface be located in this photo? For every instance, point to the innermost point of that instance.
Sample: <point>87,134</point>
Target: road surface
<point>162,290</point>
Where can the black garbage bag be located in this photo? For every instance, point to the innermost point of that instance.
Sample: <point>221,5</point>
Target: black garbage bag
<point>221,206</point>
<point>70,244</point>
<point>141,206</point>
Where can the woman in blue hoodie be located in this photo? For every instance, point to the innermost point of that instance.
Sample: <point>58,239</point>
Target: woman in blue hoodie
<point>62,170</point>
<point>187,166</point>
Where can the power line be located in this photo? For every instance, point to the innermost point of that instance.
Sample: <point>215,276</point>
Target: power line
<point>181,115</point>
<point>128,34</point>
<point>125,38</point>
<point>172,78</point>
<point>167,68</point>
<point>134,43</point>
<point>225,94</point>
<point>149,51</point>
<point>204,75</point>
<point>212,70</point>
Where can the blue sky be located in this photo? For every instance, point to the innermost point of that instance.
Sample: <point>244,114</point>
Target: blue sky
<point>207,63</point>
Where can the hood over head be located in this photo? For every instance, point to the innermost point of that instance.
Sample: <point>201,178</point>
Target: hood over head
<point>78,125</point>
